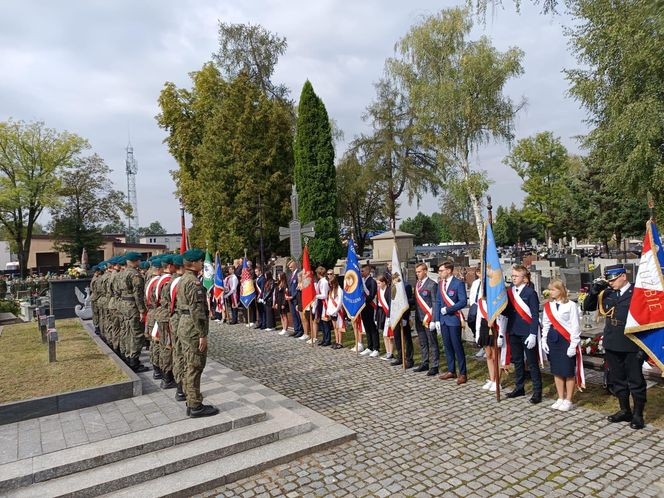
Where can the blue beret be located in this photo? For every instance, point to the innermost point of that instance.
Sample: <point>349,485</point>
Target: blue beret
<point>178,260</point>
<point>194,255</point>
<point>133,256</point>
<point>166,259</point>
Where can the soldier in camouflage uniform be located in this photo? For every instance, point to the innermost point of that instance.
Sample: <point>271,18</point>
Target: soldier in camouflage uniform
<point>162,314</point>
<point>177,359</point>
<point>153,275</point>
<point>113,292</point>
<point>193,326</point>
<point>94,297</point>
<point>133,311</point>
<point>101,302</point>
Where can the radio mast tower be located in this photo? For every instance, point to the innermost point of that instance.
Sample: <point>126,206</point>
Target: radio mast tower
<point>132,170</point>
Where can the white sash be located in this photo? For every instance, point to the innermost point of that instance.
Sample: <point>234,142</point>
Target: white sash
<point>423,305</point>
<point>149,287</point>
<point>173,290</point>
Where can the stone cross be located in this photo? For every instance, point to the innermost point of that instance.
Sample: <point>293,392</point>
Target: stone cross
<point>295,230</point>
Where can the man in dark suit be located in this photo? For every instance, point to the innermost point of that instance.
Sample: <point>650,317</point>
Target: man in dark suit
<point>260,284</point>
<point>523,326</point>
<point>298,329</point>
<point>447,317</point>
<point>426,292</point>
<point>405,328</point>
<point>369,313</point>
<point>623,357</point>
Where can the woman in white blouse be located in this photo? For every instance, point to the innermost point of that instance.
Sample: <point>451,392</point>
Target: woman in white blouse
<point>561,333</point>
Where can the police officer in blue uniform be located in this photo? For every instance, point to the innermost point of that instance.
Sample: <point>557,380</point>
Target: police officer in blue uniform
<point>624,358</point>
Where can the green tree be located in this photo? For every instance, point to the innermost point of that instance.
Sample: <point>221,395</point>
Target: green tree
<point>315,176</point>
<point>395,151</point>
<point>455,88</point>
<point>442,227</point>
<point>620,49</point>
<point>87,201</point>
<point>543,165</point>
<point>31,160</point>
<point>360,199</point>
<point>233,144</point>
<point>457,213</point>
<point>153,228</point>
<point>421,226</point>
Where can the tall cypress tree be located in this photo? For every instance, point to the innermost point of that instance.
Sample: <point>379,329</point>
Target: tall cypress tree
<point>315,176</point>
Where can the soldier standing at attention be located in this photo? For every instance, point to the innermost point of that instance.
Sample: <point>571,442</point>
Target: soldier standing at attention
<point>101,302</point>
<point>192,332</point>
<point>162,314</point>
<point>113,286</point>
<point>94,298</point>
<point>151,299</point>
<point>176,353</point>
<point>623,357</point>
<point>133,311</point>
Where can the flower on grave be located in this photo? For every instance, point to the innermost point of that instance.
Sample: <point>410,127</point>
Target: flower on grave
<point>546,293</point>
<point>593,345</point>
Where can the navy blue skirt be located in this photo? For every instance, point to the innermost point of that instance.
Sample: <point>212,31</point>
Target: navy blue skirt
<point>561,364</point>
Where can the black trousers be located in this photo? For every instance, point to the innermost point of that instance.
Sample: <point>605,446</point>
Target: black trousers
<point>370,328</point>
<point>626,375</point>
<point>429,350</point>
<point>407,339</point>
<point>518,349</point>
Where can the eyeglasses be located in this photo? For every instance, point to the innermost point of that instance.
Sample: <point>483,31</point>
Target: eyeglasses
<point>330,274</point>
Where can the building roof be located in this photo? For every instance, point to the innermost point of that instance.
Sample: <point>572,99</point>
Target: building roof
<point>398,234</point>
<point>162,235</point>
<point>139,246</point>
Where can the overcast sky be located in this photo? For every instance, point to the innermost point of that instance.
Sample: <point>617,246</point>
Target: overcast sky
<point>96,68</point>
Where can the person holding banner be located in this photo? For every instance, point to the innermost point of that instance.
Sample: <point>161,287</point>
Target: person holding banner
<point>383,316</point>
<point>280,303</point>
<point>561,334</point>
<point>369,313</point>
<point>291,297</point>
<point>322,319</point>
<point>623,356</point>
<point>426,292</point>
<point>451,299</point>
<point>335,309</point>
<point>522,313</point>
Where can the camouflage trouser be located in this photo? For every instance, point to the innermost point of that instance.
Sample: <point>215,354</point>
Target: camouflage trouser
<point>165,347</point>
<point>95,315</point>
<point>133,329</point>
<point>176,352</point>
<point>115,330</point>
<point>194,362</point>
<point>155,349</point>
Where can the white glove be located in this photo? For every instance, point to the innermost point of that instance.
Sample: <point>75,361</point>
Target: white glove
<point>387,321</point>
<point>500,341</point>
<point>571,351</point>
<point>530,342</point>
<point>432,326</point>
<point>437,324</point>
<point>545,346</point>
<point>404,323</point>
<point>443,311</point>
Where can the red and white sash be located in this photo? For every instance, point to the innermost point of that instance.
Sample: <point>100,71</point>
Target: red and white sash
<point>520,305</point>
<point>580,374</point>
<point>449,303</point>
<point>173,291</point>
<point>366,293</point>
<point>387,330</point>
<point>505,352</point>
<point>340,309</point>
<point>163,280</point>
<point>149,289</point>
<point>423,306</point>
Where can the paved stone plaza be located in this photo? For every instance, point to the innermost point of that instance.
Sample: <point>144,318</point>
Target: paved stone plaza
<point>419,436</point>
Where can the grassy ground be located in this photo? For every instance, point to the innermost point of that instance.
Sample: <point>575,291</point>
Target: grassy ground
<point>26,373</point>
<point>594,396</point>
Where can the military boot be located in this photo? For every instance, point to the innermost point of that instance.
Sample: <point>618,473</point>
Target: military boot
<point>203,411</point>
<point>637,418</point>
<point>179,394</point>
<point>625,412</point>
<point>156,373</point>
<point>168,382</point>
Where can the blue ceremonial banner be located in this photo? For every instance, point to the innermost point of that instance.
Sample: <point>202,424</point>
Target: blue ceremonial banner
<point>218,279</point>
<point>247,289</point>
<point>492,274</point>
<point>353,299</point>
<point>645,321</point>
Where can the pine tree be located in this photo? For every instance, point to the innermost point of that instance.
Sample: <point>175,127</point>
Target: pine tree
<point>315,176</point>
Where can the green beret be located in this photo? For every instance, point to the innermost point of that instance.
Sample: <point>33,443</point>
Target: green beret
<point>133,256</point>
<point>121,260</point>
<point>166,259</point>
<point>177,260</point>
<point>144,265</point>
<point>156,263</point>
<point>101,266</point>
<point>194,255</point>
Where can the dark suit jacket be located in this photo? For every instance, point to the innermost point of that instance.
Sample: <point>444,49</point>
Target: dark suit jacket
<point>456,292</point>
<point>429,294</point>
<point>614,329</point>
<point>292,283</point>
<point>517,325</point>
<point>372,287</point>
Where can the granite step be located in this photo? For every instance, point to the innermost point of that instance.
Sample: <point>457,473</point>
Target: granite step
<point>58,464</point>
<point>281,424</point>
<point>225,470</point>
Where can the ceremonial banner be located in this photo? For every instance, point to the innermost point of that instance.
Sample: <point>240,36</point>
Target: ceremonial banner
<point>353,299</point>
<point>308,290</point>
<point>208,272</point>
<point>218,282</point>
<point>183,242</point>
<point>247,289</point>
<point>645,321</point>
<point>399,304</point>
<point>492,277</point>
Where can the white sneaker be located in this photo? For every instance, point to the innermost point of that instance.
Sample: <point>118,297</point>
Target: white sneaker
<point>388,356</point>
<point>360,347</point>
<point>217,320</point>
<point>365,352</point>
<point>283,331</point>
<point>487,385</point>
<point>310,341</point>
<point>565,406</point>
<point>247,325</point>
<point>557,404</point>
<point>268,329</point>
<point>492,387</point>
<point>375,354</point>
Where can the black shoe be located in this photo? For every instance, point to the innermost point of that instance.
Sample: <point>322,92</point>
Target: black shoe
<point>515,394</point>
<point>140,368</point>
<point>409,365</point>
<point>321,342</point>
<point>625,413</point>
<point>168,382</point>
<point>326,344</point>
<point>432,372</point>
<point>188,411</point>
<point>422,368</point>
<point>157,373</point>
<point>179,394</point>
<point>203,411</point>
<point>396,363</point>
<point>536,398</point>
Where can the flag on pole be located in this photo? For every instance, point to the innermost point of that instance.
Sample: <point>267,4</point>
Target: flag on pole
<point>183,242</point>
<point>208,272</point>
<point>645,320</point>
<point>399,304</point>
<point>492,277</point>
<point>308,289</point>
<point>353,298</point>
<point>218,291</point>
<point>247,289</point>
